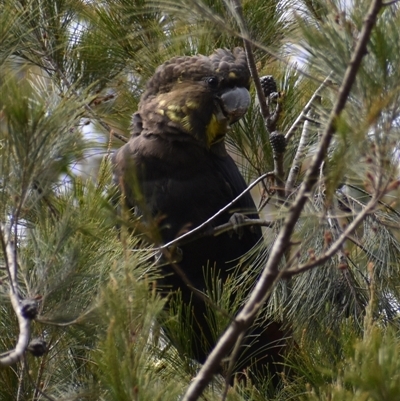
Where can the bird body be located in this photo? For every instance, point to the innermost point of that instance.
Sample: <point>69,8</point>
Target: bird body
<point>175,171</point>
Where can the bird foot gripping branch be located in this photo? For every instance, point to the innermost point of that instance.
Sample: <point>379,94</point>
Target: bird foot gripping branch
<point>176,166</point>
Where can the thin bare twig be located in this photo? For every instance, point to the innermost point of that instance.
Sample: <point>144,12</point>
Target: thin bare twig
<point>356,242</point>
<point>208,221</point>
<point>271,272</point>
<point>270,120</point>
<point>230,226</point>
<point>335,247</point>
<point>390,3</point>
<point>265,199</point>
<point>306,109</point>
<point>363,191</point>
<point>24,323</point>
<point>37,389</point>
<point>237,11</point>
<point>20,382</point>
<point>232,360</point>
<point>298,158</point>
<point>77,320</point>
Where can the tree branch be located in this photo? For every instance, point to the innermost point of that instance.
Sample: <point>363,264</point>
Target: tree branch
<point>306,109</point>
<point>208,221</point>
<point>23,322</point>
<point>335,247</point>
<point>230,226</point>
<point>301,149</point>
<point>237,11</point>
<point>270,273</point>
<point>298,158</point>
<point>270,120</point>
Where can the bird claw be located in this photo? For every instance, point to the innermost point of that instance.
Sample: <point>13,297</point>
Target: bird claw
<point>237,220</point>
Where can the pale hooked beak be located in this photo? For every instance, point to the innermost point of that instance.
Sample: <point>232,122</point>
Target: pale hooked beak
<point>235,102</point>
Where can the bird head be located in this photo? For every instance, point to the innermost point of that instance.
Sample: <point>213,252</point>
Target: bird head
<point>197,98</point>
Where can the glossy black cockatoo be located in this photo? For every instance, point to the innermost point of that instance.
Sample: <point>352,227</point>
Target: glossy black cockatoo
<point>176,173</point>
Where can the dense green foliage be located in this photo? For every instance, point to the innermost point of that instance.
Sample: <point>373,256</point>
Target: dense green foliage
<point>71,75</point>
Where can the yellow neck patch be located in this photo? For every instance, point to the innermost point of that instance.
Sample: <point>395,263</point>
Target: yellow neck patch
<point>216,130</point>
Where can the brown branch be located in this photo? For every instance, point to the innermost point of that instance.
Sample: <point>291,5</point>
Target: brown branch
<point>279,174</point>
<point>237,11</point>
<point>271,273</point>
<point>37,389</point>
<point>232,359</point>
<point>273,101</point>
<point>270,120</point>
<point>265,199</point>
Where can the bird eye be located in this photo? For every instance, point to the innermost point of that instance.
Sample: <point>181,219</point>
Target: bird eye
<point>212,81</point>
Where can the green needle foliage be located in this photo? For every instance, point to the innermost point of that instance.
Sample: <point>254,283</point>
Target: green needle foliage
<point>74,70</point>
